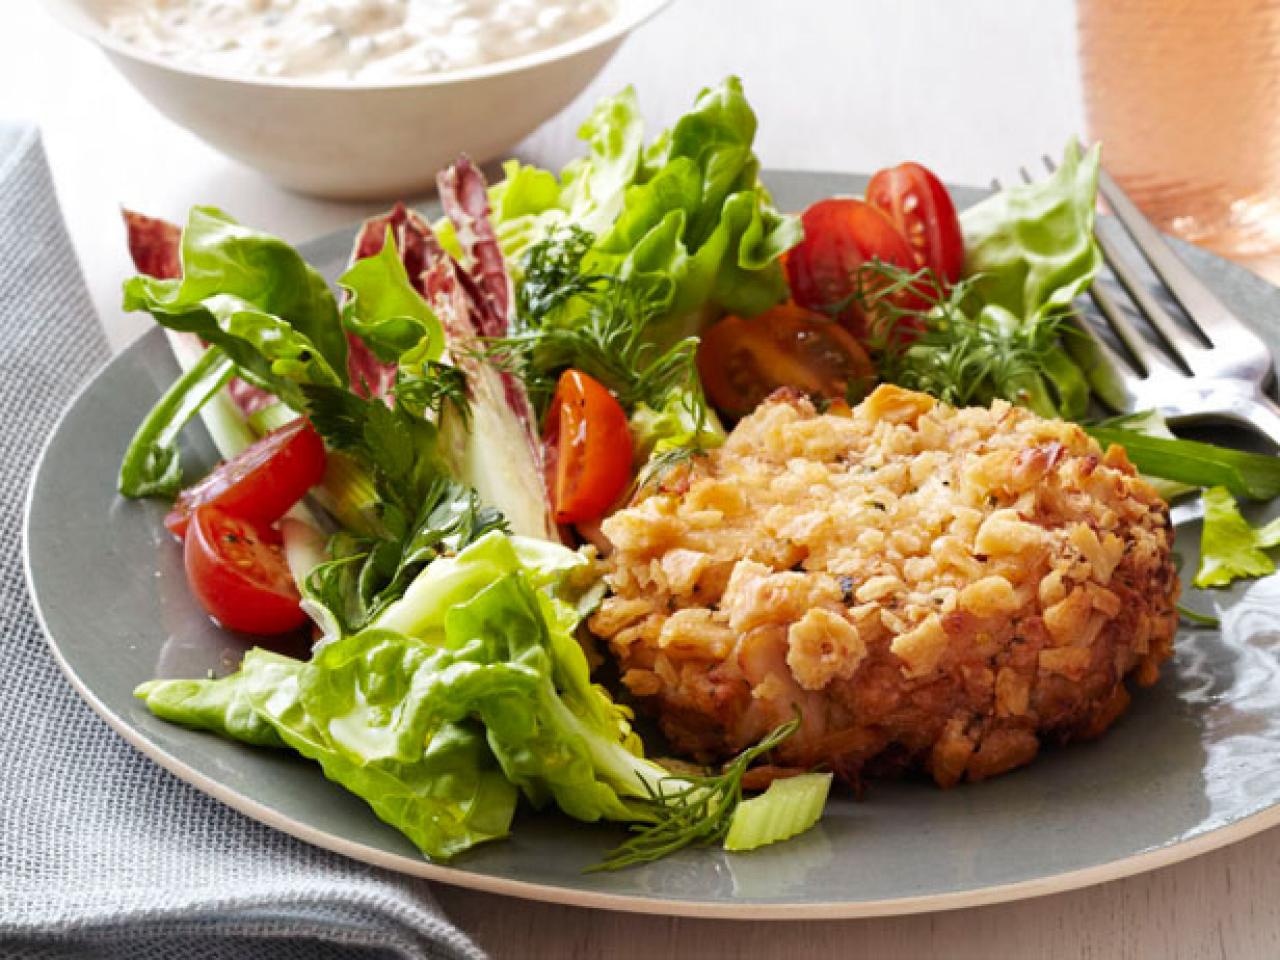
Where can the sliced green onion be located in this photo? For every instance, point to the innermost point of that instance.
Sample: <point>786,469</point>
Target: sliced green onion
<point>1198,619</point>
<point>222,418</point>
<point>1253,476</point>
<point>1153,425</point>
<point>151,465</point>
<point>789,807</point>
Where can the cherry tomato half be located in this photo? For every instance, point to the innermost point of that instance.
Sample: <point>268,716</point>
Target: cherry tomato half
<point>840,235</point>
<point>919,206</point>
<point>262,483</point>
<point>237,570</point>
<point>743,360</point>
<point>588,448</point>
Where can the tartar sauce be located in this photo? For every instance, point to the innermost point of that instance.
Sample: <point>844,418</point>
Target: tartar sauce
<point>353,39</point>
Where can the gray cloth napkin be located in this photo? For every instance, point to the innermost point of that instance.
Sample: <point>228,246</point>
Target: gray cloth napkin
<point>102,853</point>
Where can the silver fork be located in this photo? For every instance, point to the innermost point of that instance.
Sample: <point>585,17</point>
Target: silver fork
<point>1220,375</point>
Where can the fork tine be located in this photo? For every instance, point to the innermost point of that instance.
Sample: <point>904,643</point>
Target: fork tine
<point>1184,347</point>
<point>1207,312</point>
<point>1148,358</point>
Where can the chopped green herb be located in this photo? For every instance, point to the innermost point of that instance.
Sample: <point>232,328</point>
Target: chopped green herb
<point>698,811</point>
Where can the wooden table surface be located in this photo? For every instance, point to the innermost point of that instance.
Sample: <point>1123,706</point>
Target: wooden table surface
<point>971,89</point>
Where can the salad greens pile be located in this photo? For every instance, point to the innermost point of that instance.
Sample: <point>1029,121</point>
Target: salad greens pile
<point>687,212</point>
<point>469,690</point>
<point>626,257</point>
<point>449,680</point>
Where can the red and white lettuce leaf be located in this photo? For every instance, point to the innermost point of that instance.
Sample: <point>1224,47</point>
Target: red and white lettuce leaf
<point>155,246</point>
<point>369,376</point>
<point>494,446</point>
<point>465,197</point>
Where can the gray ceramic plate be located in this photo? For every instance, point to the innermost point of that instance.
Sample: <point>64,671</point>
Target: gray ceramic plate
<point>1194,765</point>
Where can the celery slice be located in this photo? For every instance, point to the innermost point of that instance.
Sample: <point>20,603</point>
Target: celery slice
<point>271,418</point>
<point>789,807</point>
<point>348,494</point>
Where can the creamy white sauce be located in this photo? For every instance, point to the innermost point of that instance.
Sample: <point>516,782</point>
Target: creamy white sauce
<point>351,39</point>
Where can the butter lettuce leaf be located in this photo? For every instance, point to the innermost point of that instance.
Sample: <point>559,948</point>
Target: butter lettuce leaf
<point>224,706</point>
<point>252,295</point>
<point>1030,251</point>
<point>688,211</point>
<point>470,689</point>
<point>384,310</point>
<point>1031,248</point>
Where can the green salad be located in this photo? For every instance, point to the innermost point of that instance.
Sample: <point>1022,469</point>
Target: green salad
<point>416,463</point>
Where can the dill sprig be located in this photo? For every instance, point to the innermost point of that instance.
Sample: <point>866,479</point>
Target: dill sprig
<point>663,461</point>
<point>600,324</point>
<point>926,335</point>
<point>694,811</point>
<point>551,275</point>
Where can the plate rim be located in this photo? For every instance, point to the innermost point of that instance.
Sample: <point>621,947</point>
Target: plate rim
<point>1167,854</point>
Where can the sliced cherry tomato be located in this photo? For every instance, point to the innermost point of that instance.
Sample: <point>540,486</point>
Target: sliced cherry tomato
<point>743,360</point>
<point>262,483</point>
<point>840,235</point>
<point>237,570</point>
<point>919,206</point>
<point>588,448</point>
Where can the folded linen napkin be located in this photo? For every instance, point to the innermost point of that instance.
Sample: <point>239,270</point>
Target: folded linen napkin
<point>102,853</point>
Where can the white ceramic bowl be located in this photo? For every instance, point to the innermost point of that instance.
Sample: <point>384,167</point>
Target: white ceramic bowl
<point>363,140</point>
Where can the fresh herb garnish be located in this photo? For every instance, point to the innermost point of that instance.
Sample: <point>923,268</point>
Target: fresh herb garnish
<point>926,335</point>
<point>421,511</point>
<point>433,388</point>
<point>695,812</point>
<point>599,324</point>
<point>552,275</point>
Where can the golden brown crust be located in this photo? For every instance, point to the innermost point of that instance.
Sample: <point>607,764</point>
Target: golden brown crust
<point>931,587</point>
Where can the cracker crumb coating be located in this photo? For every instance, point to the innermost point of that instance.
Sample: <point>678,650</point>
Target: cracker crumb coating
<point>933,588</point>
